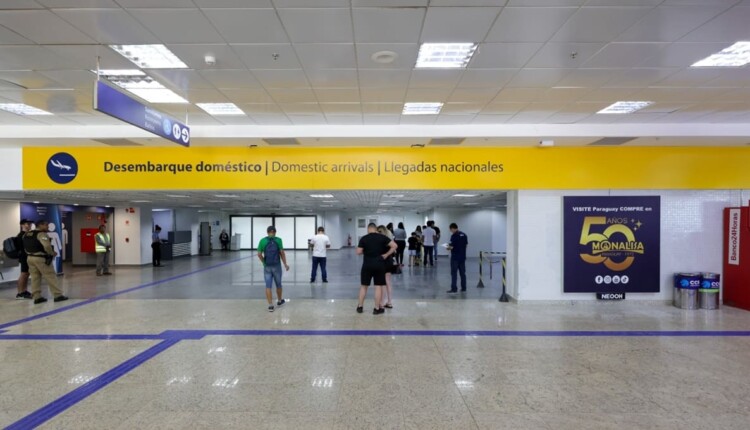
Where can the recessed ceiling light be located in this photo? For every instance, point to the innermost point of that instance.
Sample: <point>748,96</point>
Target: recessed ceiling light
<point>195,206</point>
<point>22,109</point>
<point>465,195</point>
<point>150,56</point>
<point>625,107</point>
<point>140,201</point>
<point>470,204</point>
<point>384,57</point>
<point>221,108</point>
<point>226,196</point>
<point>394,196</point>
<point>736,55</point>
<point>422,109</point>
<point>321,196</point>
<point>177,196</point>
<point>75,204</point>
<point>216,201</point>
<point>331,201</point>
<point>445,55</point>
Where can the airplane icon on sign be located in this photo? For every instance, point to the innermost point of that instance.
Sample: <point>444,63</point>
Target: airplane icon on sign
<point>59,165</point>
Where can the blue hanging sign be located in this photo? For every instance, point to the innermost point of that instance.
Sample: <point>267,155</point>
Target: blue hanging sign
<point>116,104</point>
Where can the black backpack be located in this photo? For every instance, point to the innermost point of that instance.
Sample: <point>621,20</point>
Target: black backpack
<point>12,248</point>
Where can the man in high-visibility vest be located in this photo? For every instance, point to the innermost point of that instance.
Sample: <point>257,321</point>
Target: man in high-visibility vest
<point>103,246</point>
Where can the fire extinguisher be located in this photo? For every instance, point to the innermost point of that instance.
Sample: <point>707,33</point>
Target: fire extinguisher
<point>349,241</point>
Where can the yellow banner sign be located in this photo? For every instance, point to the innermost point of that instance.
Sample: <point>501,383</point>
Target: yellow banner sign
<point>477,168</point>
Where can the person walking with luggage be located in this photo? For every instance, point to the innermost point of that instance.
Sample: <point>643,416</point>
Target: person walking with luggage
<point>320,243</point>
<point>376,250</point>
<point>40,254</point>
<point>399,236</point>
<point>224,239</point>
<point>271,254</point>
<point>457,247</point>
<point>103,249</point>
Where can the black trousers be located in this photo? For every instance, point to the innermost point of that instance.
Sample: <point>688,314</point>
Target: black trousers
<point>156,254</point>
<point>400,251</point>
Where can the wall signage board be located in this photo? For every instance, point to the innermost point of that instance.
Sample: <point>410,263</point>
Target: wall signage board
<point>611,244</point>
<point>119,105</point>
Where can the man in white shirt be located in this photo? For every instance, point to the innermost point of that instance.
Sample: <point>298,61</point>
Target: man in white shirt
<point>320,243</point>
<point>428,241</point>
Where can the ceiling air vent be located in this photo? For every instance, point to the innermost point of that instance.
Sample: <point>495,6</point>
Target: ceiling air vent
<point>445,141</point>
<point>282,142</point>
<point>118,142</point>
<point>612,141</point>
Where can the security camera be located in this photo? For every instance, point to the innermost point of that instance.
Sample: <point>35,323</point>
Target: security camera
<point>210,59</point>
<point>546,143</point>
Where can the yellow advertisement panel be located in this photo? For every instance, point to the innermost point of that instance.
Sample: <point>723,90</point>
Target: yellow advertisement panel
<point>241,168</point>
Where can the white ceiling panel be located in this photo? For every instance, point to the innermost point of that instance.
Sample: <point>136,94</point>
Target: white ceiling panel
<point>337,95</point>
<point>156,3</point>
<point>333,78</point>
<point>565,94</point>
<point>307,119</point>
<point>381,119</point>
<point>608,95</point>
<point>205,95</point>
<point>334,119</point>
<point>282,78</point>
<point>78,57</point>
<point>341,108</point>
<point>194,55</point>
<point>534,78</point>
<point>30,57</point>
<point>458,24</point>
<point>690,77</point>
<point>668,95</point>
<point>491,119</point>
<point>260,109</point>
<point>475,95</point>
<point>382,108</point>
<point>389,3</point>
<point>326,55</point>
<point>567,118</point>
<point>418,119</point>
<point>406,55</point>
<point>78,79</point>
<point>728,27</point>
<point>318,25</point>
<point>248,96</point>
<point>731,78</point>
<point>21,4</point>
<point>230,78</point>
<point>181,79</point>
<point>486,78</point>
<point>635,78</point>
<point>669,23</point>
<point>388,25</point>
<point>599,24</point>
<point>170,25</point>
<point>90,4</point>
<point>587,78</point>
<point>682,54</point>
<point>281,4</point>
<point>233,4</point>
<point>296,95</point>
<point>300,108</point>
<point>30,79</point>
<point>421,78</point>
<point>517,95</point>
<point>503,55</point>
<point>513,25</point>
<point>444,119</point>
<point>248,25</point>
<point>623,55</point>
<point>42,26</point>
<point>462,108</point>
<point>268,56</point>
<point>236,120</point>
<point>108,26</point>
<point>564,55</point>
<point>418,95</point>
<point>271,119</point>
<point>384,78</point>
<point>383,95</point>
<point>545,3</point>
<point>8,37</point>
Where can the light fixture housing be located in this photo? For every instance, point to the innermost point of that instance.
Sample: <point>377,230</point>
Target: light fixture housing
<point>465,195</point>
<point>150,56</point>
<point>221,109</point>
<point>321,196</point>
<point>422,108</point>
<point>736,55</point>
<point>23,109</point>
<point>625,107</point>
<point>445,55</point>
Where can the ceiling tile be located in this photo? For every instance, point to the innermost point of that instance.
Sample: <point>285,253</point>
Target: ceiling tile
<point>194,55</point>
<point>462,108</point>
<point>486,78</point>
<point>518,95</point>
<point>281,78</point>
<point>337,95</point>
<point>731,78</point>
<point>341,108</point>
<point>248,25</point>
<point>669,23</point>
<point>181,79</point>
<point>42,26</point>
<point>728,27</point>
<point>318,25</point>
<point>513,24</point>
<point>681,54</point>
<point>268,56</point>
<point>248,96</point>
<point>85,57</point>
<point>565,94</point>
<point>156,3</point>
<point>491,119</point>
<point>434,78</point>
<point>476,95</point>
<point>8,37</point>
<point>428,94</point>
<point>383,95</point>
<point>295,95</point>
<point>300,108</point>
<point>590,78</point>
<point>382,108</point>
<point>381,119</point>
<point>30,57</point>
<point>326,55</point>
<point>307,119</point>
<point>234,4</point>
<point>533,78</point>
<point>271,119</point>
<point>406,55</point>
<point>458,24</point>
<point>260,109</point>
<point>503,55</point>
<point>623,55</point>
<point>608,95</point>
<point>21,4</point>
<point>388,25</point>
<point>108,26</point>
<point>332,78</point>
<point>566,55</point>
<point>444,119</point>
<point>636,78</point>
<point>230,78</point>
<point>383,78</point>
<point>205,96</point>
<point>90,4</point>
<point>334,119</point>
<point>599,24</point>
<point>545,3</point>
<point>418,119</point>
<point>307,3</point>
<point>170,25</point>
<point>32,80</point>
<point>690,77</point>
<point>78,79</point>
<point>389,3</point>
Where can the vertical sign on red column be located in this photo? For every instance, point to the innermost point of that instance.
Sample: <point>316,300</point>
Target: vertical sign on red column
<point>733,240</point>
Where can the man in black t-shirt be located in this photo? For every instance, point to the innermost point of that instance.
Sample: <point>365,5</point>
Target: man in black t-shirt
<point>376,249</point>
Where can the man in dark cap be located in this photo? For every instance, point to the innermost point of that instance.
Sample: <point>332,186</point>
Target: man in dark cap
<point>271,255</point>
<point>40,253</point>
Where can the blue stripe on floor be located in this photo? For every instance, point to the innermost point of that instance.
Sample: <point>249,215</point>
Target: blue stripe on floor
<point>51,410</point>
<point>116,293</point>
<point>81,337</point>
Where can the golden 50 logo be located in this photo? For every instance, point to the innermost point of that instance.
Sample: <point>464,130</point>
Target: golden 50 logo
<point>615,247</point>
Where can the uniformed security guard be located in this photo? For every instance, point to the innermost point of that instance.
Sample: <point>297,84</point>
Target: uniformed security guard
<point>103,247</point>
<point>40,253</point>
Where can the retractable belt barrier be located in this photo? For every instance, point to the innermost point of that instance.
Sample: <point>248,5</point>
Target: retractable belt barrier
<point>493,257</point>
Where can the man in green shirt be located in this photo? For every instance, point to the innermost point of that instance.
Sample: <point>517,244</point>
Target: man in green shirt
<point>271,255</point>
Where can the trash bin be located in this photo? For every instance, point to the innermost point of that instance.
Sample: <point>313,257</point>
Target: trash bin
<point>708,294</point>
<point>686,287</point>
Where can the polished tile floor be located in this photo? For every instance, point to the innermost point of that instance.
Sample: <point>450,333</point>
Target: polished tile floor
<point>191,345</point>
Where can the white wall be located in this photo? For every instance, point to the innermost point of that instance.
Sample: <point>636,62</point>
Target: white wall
<point>485,229</point>
<point>10,214</point>
<point>127,240</point>
<point>188,219</point>
<point>146,232</point>
<point>332,222</point>
<point>11,164</point>
<point>691,238</point>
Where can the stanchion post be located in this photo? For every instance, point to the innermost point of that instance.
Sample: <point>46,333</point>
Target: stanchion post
<point>504,296</point>
<point>480,284</point>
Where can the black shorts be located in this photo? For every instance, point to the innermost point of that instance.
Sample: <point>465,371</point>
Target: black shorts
<point>374,273</point>
<point>24,264</point>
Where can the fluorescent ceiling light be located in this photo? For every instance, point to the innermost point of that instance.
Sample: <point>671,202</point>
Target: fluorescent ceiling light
<point>624,107</point>
<point>322,196</point>
<point>465,195</point>
<point>22,109</point>
<point>150,56</point>
<point>394,196</point>
<point>331,201</point>
<point>221,108</point>
<point>470,204</point>
<point>445,55</point>
<point>158,95</point>
<point>142,85</point>
<point>226,196</point>
<point>195,206</point>
<point>216,201</point>
<point>736,55</point>
<point>178,196</point>
<point>120,72</point>
<point>140,201</point>
<point>422,108</point>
